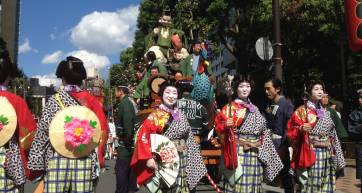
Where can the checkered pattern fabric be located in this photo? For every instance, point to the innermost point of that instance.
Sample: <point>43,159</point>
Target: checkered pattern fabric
<point>68,175</point>
<point>252,175</point>
<point>321,177</point>
<point>6,184</point>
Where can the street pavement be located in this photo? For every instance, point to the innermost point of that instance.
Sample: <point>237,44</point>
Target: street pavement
<point>107,183</point>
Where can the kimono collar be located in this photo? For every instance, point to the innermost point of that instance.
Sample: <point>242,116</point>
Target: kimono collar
<point>173,112</point>
<point>317,108</point>
<point>246,104</point>
<point>72,88</point>
<point>3,88</point>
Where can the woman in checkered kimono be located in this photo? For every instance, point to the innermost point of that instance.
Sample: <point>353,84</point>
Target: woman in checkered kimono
<point>170,122</point>
<point>61,174</point>
<point>317,153</point>
<point>249,155</point>
<point>13,163</point>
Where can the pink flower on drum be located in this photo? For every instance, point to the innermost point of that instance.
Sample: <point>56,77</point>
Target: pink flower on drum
<point>1,126</point>
<point>78,131</point>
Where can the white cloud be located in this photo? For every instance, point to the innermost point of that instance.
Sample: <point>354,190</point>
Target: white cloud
<point>52,36</point>
<point>91,60</point>
<point>48,79</point>
<point>52,58</point>
<point>25,47</point>
<point>106,32</point>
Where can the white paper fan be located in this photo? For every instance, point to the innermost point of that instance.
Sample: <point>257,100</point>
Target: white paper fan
<point>169,161</point>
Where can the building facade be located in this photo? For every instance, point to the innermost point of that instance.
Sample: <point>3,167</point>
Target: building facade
<point>9,26</point>
<point>223,63</point>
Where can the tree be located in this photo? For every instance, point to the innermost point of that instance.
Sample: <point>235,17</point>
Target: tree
<point>126,56</point>
<point>121,74</point>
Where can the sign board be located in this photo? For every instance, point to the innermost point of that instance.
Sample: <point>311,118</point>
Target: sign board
<point>264,48</point>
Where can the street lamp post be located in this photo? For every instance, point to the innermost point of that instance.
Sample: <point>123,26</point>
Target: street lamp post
<point>277,56</point>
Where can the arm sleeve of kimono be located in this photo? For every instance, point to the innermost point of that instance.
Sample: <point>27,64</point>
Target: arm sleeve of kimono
<point>41,142</point>
<point>161,68</point>
<point>220,121</point>
<point>354,121</point>
<point>26,125</point>
<point>141,153</point>
<point>294,125</point>
<point>195,167</point>
<point>143,143</point>
<point>98,110</point>
<point>269,156</point>
<point>341,131</point>
<point>139,92</point>
<point>338,158</point>
<point>27,128</point>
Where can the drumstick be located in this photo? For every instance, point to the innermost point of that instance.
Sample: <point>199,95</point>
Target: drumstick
<point>213,183</point>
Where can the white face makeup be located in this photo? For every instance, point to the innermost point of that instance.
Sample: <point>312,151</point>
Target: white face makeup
<point>243,90</point>
<point>317,92</point>
<point>169,96</point>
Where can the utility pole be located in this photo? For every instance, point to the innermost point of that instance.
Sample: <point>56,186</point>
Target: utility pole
<point>277,46</point>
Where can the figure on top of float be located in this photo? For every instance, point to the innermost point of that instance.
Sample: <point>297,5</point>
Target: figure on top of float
<point>197,66</point>
<point>162,41</point>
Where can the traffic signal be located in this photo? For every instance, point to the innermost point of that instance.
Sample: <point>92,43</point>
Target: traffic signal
<point>353,10</point>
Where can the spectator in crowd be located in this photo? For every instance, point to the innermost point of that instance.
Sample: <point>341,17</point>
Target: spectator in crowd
<point>111,139</point>
<point>355,128</point>
<point>126,123</point>
<point>277,114</point>
<point>335,115</point>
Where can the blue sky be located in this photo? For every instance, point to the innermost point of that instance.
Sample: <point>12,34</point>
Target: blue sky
<point>93,30</point>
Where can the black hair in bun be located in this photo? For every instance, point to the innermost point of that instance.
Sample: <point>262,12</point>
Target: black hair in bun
<point>166,84</point>
<point>71,70</point>
<point>312,83</point>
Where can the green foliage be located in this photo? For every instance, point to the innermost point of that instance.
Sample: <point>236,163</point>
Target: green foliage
<point>121,74</point>
<point>126,56</point>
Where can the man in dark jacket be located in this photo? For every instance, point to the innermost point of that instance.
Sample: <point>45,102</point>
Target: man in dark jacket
<point>277,114</point>
<point>341,131</point>
<point>355,129</point>
<point>126,122</point>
